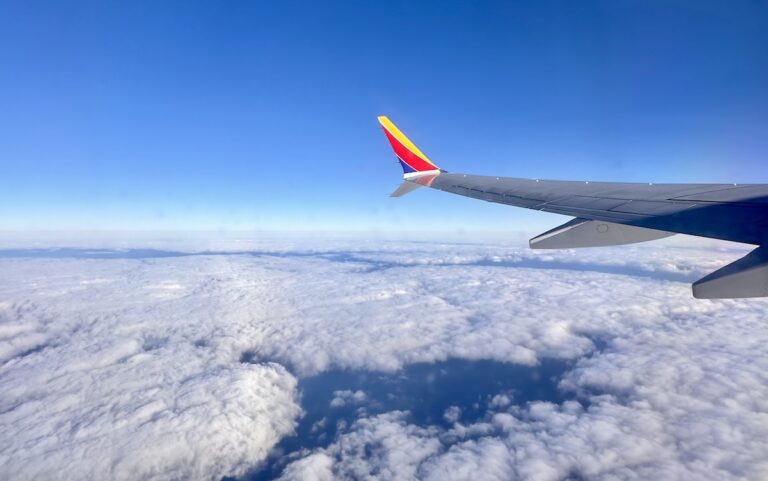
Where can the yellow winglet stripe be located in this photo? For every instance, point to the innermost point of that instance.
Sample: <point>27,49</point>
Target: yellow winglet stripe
<point>395,132</point>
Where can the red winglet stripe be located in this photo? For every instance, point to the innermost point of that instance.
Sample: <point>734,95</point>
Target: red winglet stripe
<point>407,156</point>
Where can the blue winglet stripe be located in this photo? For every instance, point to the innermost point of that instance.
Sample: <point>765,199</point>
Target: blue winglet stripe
<point>407,169</point>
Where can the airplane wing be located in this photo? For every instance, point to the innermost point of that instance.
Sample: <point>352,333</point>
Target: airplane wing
<point>613,213</point>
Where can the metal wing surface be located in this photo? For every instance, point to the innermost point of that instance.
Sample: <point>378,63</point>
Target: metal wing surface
<point>613,213</point>
<point>720,211</point>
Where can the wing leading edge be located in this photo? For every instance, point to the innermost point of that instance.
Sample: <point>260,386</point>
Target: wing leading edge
<point>609,213</point>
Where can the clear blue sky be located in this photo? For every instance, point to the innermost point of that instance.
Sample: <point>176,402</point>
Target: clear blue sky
<point>241,115</point>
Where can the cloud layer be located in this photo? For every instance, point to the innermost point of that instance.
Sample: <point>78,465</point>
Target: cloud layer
<point>106,376</point>
<point>185,367</point>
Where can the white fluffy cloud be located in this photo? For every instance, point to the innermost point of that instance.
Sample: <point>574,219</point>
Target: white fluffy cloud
<point>346,396</point>
<point>132,368</point>
<point>106,376</point>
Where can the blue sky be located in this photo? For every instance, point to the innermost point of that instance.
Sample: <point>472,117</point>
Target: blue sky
<point>262,115</point>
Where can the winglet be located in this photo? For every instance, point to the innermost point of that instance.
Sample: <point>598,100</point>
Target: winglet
<point>412,160</point>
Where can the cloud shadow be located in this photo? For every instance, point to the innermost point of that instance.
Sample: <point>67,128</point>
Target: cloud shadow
<point>424,390</point>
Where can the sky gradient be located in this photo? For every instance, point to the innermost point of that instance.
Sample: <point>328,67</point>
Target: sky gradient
<point>262,115</point>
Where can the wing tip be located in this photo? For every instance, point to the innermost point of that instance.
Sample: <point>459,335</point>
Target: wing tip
<point>411,158</point>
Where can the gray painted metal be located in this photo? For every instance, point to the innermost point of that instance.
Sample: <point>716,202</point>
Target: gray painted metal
<point>719,211</point>
<point>594,233</point>
<point>747,277</point>
<point>405,188</point>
